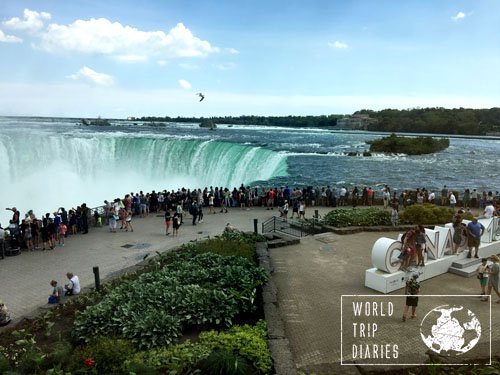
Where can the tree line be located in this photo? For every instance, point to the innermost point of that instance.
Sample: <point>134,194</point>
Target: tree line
<point>460,121</point>
<point>464,121</point>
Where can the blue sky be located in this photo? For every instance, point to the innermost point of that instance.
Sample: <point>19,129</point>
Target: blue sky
<point>136,58</point>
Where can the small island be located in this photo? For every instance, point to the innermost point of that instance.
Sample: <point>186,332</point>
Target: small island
<point>410,146</point>
<point>96,122</point>
<point>209,124</point>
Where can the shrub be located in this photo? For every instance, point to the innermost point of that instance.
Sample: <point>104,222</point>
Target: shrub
<point>108,356</point>
<point>225,362</point>
<point>408,145</point>
<point>176,359</point>
<point>241,348</point>
<point>247,341</point>
<point>224,247</point>
<point>358,217</point>
<point>195,289</point>
<point>426,214</point>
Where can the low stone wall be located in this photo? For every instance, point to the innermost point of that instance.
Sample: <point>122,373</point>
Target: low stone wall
<point>278,343</point>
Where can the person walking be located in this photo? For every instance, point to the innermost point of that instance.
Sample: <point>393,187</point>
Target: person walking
<point>482,275</point>
<point>474,232</point>
<point>492,271</point>
<point>168,220</point>
<point>412,289</point>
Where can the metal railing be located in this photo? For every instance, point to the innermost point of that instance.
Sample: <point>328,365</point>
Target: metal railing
<point>296,228</point>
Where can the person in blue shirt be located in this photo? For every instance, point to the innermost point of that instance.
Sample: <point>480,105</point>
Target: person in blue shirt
<point>474,232</point>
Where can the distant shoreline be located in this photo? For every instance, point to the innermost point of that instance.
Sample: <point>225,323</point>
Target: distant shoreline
<point>332,129</point>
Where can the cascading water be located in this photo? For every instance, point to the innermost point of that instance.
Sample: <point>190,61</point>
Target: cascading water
<point>46,171</point>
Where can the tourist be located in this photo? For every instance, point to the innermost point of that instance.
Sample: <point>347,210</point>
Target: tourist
<point>112,219</point>
<point>302,210</point>
<point>57,293</point>
<point>386,196</point>
<point>168,219</point>
<point>355,197</point>
<point>432,197</point>
<point>474,232</point>
<point>128,222</point>
<point>179,210</point>
<point>4,314</point>
<point>193,210</point>
<point>492,271</point>
<point>409,248</point>
<point>489,210</point>
<point>420,244</point>
<point>466,198</point>
<point>176,223</point>
<point>412,288</point>
<point>211,204</point>
<point>285,211</point>
<point>200,211</point>
<point>453,201</point>
<point>444,195</point>
<point>73,287</point>
<point>459,231</point>
<point>394,214</point>
<point>474,198</point>
<point>62,233</point>
<point>482,275</point>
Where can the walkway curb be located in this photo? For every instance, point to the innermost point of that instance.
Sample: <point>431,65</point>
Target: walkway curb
<point>278,343</point>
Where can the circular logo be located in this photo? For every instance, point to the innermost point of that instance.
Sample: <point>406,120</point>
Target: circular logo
<point>450,330</point>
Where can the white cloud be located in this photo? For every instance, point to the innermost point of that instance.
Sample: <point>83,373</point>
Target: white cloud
<point>338,44</point>
<point>125,43</point>
<point>459,16</point>
<point>189,66</point>
<point>130,58</point>
<point>225,66</point>
<point>9,38</point>
<point>32,21</point>
<point>88,75</point>
<point>184,84</point>
<point>231,51</point>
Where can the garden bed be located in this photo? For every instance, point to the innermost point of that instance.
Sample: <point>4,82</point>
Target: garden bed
<point>188,311</point>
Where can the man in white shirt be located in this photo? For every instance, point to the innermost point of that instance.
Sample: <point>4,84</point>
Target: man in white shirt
<point>73,287</point>
<point>488,210</point>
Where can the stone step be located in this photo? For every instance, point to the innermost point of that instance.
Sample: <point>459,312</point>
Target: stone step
<point>279,240</point>
<point>466,262</point>
<point>465,272</point>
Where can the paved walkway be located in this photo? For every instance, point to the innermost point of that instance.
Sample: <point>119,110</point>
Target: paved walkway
<point>311,278</point>
<point>24,279</point>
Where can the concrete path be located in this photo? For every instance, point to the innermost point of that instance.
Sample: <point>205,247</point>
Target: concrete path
<point>24,279</point>
<point>311,278</point>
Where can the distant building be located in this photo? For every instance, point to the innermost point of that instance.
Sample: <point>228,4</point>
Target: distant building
<point>355,122</point>
<point>131,118</point>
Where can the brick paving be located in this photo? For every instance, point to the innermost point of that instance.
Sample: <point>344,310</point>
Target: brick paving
<point>311,278</point>
<point>24,279</point>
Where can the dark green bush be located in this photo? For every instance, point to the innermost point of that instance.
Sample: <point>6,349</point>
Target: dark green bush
<point>195,289</point>
<point>222,361</point>
<point>224,247</point>
<point>426,214</point>
<point>239,348</point>
<point>247,341</point>
<point>109,356</point>
<point>408,145</point>
<point>174,359</point>
<point>348,217</point>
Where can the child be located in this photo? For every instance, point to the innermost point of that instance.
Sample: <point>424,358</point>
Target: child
<point>482,275</point>
<point>412,288</point>
<point>128,222</point>
<point>394,215</point>
<point>55,297</point>
<point>168,217</point>
<point>4,314</point>
<point>62,233</point>
<point>176,222</point>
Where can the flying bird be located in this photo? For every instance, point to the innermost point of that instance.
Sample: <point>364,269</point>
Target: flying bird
<point>201,96</point>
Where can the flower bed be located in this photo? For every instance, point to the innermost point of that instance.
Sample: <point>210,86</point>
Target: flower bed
<point>134,325</point>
